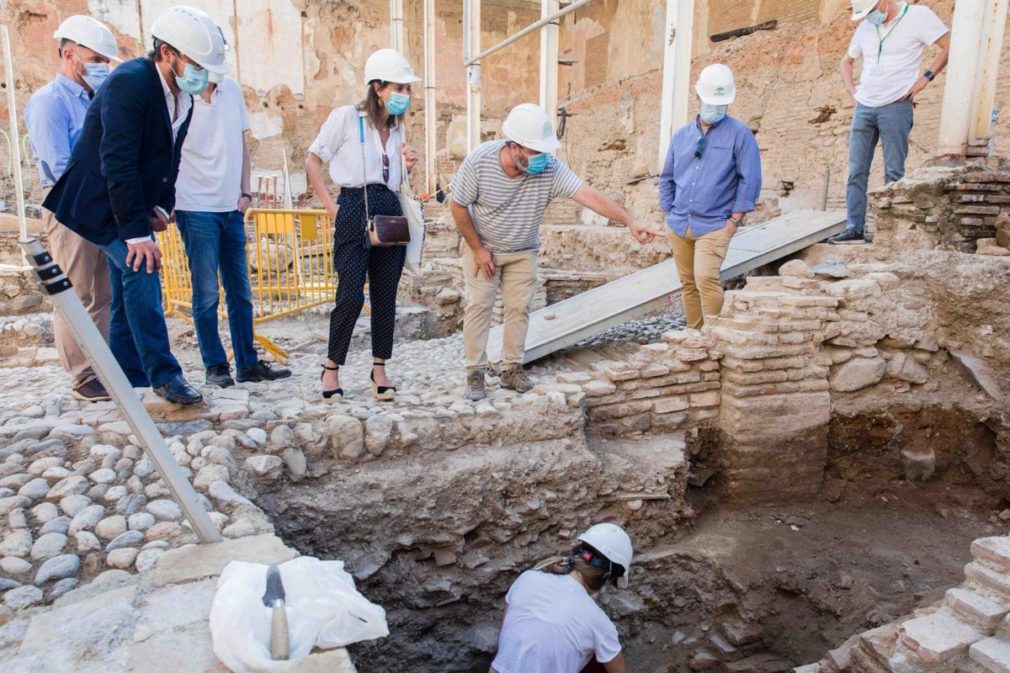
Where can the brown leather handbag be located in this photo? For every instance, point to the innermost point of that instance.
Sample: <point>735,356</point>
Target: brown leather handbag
<point>381,230</point>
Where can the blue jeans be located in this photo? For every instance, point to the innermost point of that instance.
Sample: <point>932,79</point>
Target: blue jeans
<point>138,336</point>
<point>215,242</point>
<point>889,123</point>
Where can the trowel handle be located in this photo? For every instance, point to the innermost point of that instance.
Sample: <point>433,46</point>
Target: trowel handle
<point>280,645</point>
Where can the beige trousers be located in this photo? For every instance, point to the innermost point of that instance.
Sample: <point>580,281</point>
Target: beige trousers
<point>84,264</point>
<point>699,261</point>
<point>516,274</point>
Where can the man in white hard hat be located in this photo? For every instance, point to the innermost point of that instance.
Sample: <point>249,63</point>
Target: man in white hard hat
<point>891,39</point>
<point>54,116</point>
<point>499,197</point>
<point>211,198</point>
<point>710,181</point>
<point>120,185</point>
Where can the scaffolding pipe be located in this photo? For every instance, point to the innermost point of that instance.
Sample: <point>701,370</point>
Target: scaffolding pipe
<point>15,138</point>
<point>524,32</point>
<point>68,304</point>
<point>549,37</point>
<point>430,116</point>
<point>676,72</point>
<point>396,36</point>
<point>993,28</point>
<point>956,115</point>
<point>471,45</point>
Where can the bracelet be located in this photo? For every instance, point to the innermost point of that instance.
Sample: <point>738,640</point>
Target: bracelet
<point>736,221</point>
<point>246,195</point>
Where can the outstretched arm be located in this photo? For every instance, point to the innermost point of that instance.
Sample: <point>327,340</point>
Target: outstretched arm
<point>598,202</point>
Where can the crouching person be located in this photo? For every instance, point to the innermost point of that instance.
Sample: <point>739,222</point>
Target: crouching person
<point>552,622</point>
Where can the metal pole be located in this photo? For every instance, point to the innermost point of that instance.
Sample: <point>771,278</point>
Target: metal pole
<point>430,116</point>
<point>90,340</point>
<point>956,113</point>
<point>676,72</point>
<point>396,39</point>
<point>827,185</point>
<point>993,28</point>
<point>526,31</point>
<point>471,44</point>
<point>549,57</point>
<point>15,139</point>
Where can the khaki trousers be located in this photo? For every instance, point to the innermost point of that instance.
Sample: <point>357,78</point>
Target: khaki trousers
<point>84,264</point>
<point>699,261</point>
<point>516,274</point>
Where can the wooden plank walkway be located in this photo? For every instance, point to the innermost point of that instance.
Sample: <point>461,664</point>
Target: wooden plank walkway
<point>582,316</point>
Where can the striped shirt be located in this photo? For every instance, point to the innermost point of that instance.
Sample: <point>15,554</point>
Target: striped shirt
<point>507,212</point>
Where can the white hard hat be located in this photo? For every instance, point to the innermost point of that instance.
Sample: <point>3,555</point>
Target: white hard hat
<point>716,85</point>
<point>860,8</point>
<point>193,34</point>
<point>610,540</point>
<point>529,126</point>
<point>389,65</point>
<point>89,32</point>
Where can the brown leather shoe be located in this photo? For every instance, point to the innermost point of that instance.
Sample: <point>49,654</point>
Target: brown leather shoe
<point>515,378</point>
<point>92,391</point>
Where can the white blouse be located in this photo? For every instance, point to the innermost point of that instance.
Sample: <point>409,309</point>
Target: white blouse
<point>338,144</point>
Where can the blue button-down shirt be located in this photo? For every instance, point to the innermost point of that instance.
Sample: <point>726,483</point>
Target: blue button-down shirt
<point>54,116</point>
<point>700,193</point>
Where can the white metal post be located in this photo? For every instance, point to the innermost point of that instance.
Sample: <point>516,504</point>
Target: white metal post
<point>430,118</point>
<point>471,46</point>
<point>396,34</point>
<point>15,139</point>
<point>956,113</point>
<point>676,72</point>
<point>993,28</point>
<point>549,38</point>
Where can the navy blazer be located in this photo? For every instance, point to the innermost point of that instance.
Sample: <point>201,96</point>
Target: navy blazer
<point>124,163</point>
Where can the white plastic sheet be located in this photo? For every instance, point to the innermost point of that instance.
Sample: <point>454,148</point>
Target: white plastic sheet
<point>324,610</point>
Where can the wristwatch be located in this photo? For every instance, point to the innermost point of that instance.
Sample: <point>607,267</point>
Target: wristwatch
<point>246,195</point>
<point>929,74</point>
<point>736,221</point>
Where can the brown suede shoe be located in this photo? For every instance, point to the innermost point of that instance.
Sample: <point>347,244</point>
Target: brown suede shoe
<point>515,378</point>
<point>92,391</point>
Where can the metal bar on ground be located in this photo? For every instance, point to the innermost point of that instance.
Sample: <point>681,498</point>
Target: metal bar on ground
<point>526,31</point>
<point>567,322</point>
<point>90,340</point>
<point>15,138</point>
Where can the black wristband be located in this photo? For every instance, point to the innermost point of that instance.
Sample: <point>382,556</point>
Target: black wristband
<point>247,195</point>
<point>929,74</point>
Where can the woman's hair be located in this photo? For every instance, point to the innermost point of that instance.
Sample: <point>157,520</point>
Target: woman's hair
<point>372,105</point>
<point>562,565</point>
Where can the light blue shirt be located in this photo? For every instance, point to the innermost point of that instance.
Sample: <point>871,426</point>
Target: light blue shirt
<point>54,116</point>
<point>701,192</point>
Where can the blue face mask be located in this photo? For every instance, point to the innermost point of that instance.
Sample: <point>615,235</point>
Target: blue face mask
<point>95,74</point>
<point>397,103</point>
<point>536,164</point>
<point>194,80</point>
<point>876,17</point>
<point>712,114</point>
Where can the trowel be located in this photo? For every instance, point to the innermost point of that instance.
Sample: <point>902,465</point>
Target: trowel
<point>274,598</point>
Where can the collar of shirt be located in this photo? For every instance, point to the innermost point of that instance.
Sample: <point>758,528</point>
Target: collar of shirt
<point>73,87</point>
<point>178,106</point>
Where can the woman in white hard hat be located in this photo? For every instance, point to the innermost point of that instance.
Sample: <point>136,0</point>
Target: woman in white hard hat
<point>552,624</point>
<point>363,145</point>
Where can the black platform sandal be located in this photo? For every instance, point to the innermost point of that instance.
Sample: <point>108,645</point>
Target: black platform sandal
<point>338,393</point>
<point>381,393</point>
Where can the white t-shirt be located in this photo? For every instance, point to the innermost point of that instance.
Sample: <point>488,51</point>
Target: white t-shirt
<point>892,56</point>
<point>339,144</point>
<point>210,172</point>
<point>553,626</point>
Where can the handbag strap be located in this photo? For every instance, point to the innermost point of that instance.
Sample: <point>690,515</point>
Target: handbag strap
<point>364,169</point>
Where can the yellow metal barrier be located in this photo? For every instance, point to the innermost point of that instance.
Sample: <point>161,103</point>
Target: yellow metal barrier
<point>290,255</point>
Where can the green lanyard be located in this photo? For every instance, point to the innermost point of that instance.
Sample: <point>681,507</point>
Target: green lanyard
<point>881,40</point>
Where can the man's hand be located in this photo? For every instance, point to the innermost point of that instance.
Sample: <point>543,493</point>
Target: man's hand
<point>144,253</point>
<point>642,234</point>
<point>410,156</point>
<point>332,212</point>
<point>919,85</point>
<point>484,259</point>
<point>731,227</point>
<point>243,204</point>
<point>158,221</point>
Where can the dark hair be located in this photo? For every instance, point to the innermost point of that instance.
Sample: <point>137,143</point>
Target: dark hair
<point>63,43</point>
<point>594,575</point>
<point>372,105</point>
<point>155,53</point>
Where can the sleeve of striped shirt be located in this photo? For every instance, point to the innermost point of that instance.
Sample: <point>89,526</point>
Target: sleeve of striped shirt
<point>566,182</point>
<point>331,136</point>
<point>465,187</point>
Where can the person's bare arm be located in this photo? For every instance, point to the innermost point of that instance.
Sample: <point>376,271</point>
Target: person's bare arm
<point>244,201</point>
<point>939,63</point>
<point>616,665</point>
<point>314,173</point>
<point>483,257</point>
<point>845,68</point>
<point>600,203</point>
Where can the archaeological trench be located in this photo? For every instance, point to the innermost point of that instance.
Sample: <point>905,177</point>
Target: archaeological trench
<point>818,479</point>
